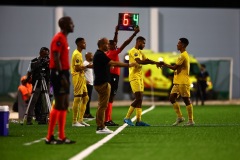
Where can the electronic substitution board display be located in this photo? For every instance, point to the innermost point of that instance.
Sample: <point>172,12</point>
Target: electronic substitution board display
<point>128,21</point>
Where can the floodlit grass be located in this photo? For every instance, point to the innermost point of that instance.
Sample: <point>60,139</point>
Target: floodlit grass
<point>214,137</point>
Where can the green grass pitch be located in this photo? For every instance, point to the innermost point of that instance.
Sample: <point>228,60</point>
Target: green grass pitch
<point>215,136</point>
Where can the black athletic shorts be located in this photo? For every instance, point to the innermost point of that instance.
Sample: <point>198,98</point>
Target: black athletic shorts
<point>114,78</point>
<point>55,79</point>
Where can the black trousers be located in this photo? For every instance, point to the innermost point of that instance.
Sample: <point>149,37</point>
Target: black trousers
<point>89,88</point>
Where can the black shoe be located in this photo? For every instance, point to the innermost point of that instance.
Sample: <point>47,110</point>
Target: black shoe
<point>88,116</point>
<point>66,141</point>
<point>110,123</point>
<point>52,141</point>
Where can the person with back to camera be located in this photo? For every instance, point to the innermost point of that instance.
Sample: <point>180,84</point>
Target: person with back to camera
<point>181,83</point>
<point>113,54</point>
<point>59,66</point>
<point>101,69</point>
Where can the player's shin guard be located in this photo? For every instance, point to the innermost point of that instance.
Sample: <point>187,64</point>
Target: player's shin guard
<point>190,112</point>
<point>177,109</point>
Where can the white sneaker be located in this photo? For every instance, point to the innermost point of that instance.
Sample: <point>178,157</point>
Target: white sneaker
<point>84,123</point>
<point>104,131</point>
<point>178,121</point>
<point>77,124</point>
<point>190,123</point>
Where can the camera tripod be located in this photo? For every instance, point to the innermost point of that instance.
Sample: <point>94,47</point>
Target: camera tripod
<point>34,98</point>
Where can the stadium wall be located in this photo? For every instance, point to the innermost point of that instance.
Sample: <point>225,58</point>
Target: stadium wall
<point>212,32</point>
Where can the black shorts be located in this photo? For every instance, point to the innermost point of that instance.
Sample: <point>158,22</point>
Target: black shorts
<point>114,78</point>
<point>55,79</point>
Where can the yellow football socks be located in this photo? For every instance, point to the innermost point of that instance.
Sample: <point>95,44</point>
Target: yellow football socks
<point>82,108</point>
<point>177,109</point>
<point>190,112</point>
<point>130,111</point>
<point>138,114</point>
<point>75,106</point>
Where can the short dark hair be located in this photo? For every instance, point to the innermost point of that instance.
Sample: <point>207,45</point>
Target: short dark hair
<point>44,49</point>
<point>203,65</point>
<point>111,42</point>
<point>184,41</point>
<point>140,38</point>
<point>78,40</point>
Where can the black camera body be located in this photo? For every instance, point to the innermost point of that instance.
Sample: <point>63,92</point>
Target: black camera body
<point>40,69</point>
<point>43,65</point>
<point>43,62</point>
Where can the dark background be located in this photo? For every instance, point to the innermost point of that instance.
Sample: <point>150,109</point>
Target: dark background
<point>129,3</point>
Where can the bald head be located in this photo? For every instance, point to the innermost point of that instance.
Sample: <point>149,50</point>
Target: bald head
<point>89,56</point>
<point>62,21</point>
<point>103,44</point>
<point>66,24</point>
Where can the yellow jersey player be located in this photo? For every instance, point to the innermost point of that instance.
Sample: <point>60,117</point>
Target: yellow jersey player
<point>181,83</point>
<point>79,84</point>
<point>136,81</point>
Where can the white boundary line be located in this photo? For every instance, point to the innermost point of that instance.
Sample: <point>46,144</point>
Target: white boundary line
<point>95,146</point>
<point>36,141</point>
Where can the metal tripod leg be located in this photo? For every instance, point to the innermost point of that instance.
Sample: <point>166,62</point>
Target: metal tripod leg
<point>30,101</point>
<point>45,110</point>
<point>45,89</point>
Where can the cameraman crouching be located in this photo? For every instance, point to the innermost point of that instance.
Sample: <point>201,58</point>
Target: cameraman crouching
<point>37,70</point>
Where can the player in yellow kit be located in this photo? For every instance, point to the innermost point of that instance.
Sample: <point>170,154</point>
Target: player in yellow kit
<point>136,81</point>
<point>79,84</point>
<point>181,83</point>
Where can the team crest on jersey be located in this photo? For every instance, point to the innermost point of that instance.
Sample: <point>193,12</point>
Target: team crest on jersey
<point>135,54</point>
<point>58,43</point>
<point>77,61</point>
